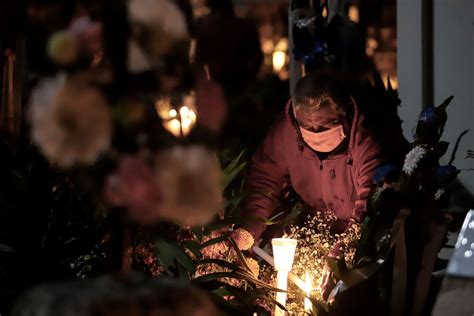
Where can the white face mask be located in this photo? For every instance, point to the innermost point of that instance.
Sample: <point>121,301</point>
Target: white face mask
<point>326,141</point>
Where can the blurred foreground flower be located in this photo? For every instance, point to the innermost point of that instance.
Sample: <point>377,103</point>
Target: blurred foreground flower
<point>189,179</point>
<point>156,27</point>
<point>70,121</point>
<point>133,186</point>
<point>63,48</point>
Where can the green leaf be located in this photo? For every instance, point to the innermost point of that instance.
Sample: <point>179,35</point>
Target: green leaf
<point>239,254</point>
<point>233,164</point>
<point>198,232</point>
<point>446,102</point>
<point>235,200</point>
<point>168,252</point>
<point>229,177</point>
<point>192,246</point>
<point>216,276</point>
<point>222,263</point>
<point>441,148</point>
<point>214,241</point>
<point>183,273</point>
<point>221,292</point>
<point>232,170</point>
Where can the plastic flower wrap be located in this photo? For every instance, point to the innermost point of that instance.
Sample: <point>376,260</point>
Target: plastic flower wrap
<point>70,121</point>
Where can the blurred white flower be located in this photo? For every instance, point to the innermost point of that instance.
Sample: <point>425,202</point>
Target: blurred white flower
<point>156,27</point>
<point>70,121</point>
<point>413,158</point>
<point>162,14</point>
<point>189,180</point>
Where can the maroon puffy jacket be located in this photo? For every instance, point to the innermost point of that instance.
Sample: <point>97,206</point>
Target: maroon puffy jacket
<point>339,184</point>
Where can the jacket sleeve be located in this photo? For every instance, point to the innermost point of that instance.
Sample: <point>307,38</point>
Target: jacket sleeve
<point>368,156</point>
<point>266,179</point>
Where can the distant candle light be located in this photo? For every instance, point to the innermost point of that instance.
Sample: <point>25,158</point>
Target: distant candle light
<point>177,121</point>
<point>279,60</point>
<point>354,14</point>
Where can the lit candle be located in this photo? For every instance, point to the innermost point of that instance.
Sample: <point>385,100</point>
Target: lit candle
<point>308,306</point>
<point>292,277</point>
<point>283,254</point>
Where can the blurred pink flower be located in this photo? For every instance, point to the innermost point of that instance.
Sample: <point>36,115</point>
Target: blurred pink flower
<point>211,104</point>
<point>133,186</point>
<point>88,33</point>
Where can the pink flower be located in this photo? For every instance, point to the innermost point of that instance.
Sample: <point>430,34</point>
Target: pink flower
<point>254,266</point>
<point>242,238</point>
<point>214,251</point>
<point>211,104</point>
<point>133,186</point>
<point>88,33</point>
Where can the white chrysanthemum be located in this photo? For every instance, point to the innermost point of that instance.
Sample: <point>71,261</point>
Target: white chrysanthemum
<point>189,180</point>
<point>413,158</point>
<point>70,121</point>
<point>438,194</point>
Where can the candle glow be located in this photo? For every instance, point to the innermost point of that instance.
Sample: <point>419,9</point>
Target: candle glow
<point>177,121</point>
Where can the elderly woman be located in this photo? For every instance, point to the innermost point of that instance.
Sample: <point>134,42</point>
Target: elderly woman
<point>322,150</point>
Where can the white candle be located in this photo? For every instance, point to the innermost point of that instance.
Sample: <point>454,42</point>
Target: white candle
<point>283,254</point>
<point>292,277</point>
<point>308,306</point>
